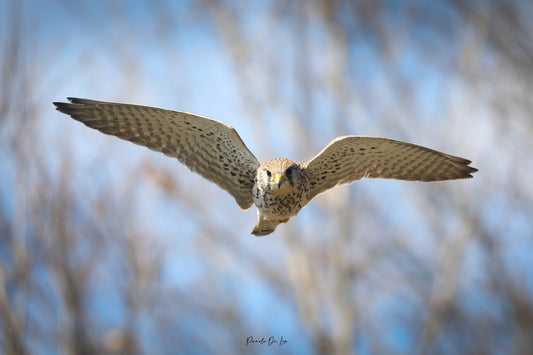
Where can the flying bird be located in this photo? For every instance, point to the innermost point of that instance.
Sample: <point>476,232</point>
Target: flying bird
<point>280,187</point>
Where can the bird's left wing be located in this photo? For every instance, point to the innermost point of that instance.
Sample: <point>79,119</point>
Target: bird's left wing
<point>350,158</point>
<point>211,148</point>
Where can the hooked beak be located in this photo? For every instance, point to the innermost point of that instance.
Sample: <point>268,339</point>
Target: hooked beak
<point>278,180</point>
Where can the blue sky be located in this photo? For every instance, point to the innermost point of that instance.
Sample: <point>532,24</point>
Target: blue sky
<point>182,63</point>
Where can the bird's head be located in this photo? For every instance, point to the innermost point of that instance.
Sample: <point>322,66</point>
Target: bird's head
<point>279,174</point>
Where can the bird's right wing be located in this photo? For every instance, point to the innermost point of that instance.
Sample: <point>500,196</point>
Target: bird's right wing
<point>350,158</point>
<point>211,148</point>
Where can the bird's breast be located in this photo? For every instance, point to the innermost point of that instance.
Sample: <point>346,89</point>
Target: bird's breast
<point>278,204</point>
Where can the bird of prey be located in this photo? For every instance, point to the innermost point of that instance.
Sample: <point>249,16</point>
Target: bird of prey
<point>279,187</point>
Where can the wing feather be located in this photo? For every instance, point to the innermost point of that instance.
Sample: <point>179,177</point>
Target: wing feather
<point>209,147</point>
<point>350,158</point>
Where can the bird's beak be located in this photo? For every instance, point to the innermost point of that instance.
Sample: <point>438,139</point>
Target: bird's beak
<point>278,179</point>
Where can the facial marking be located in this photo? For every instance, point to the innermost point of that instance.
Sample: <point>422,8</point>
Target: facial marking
<point>282,193</point>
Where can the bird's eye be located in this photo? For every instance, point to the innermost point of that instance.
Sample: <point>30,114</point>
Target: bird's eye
<point>288,172</point>
<point>269,174</point>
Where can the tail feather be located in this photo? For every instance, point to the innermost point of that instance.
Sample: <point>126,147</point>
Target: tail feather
<point>264,227</point>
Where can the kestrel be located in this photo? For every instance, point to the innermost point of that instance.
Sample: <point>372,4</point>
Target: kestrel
<point>279,187</point>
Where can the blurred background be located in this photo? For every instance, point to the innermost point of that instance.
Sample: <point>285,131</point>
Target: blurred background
<point>107,247</point>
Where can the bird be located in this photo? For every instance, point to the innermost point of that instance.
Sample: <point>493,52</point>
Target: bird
<point>280,187</point>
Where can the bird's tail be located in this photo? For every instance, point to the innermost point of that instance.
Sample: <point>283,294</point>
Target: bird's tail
<point>264,227</point>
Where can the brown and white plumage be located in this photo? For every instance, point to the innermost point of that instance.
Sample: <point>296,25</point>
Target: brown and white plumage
<point>209,147</point>
<point>279,187</point>
<point>351,158</point>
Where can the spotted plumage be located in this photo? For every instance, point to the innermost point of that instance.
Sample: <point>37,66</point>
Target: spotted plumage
<point>280,187</point>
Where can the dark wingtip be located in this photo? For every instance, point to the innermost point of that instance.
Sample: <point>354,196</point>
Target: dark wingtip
<point>468,171</point>
<point>464,167</point>
<point>73,100</point>
<point>74,104</point>
<point>61,106</point>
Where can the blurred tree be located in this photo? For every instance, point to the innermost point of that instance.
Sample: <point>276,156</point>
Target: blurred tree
<point>95,261</point>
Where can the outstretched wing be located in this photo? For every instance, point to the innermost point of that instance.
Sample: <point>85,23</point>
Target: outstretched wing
<point>350,158</point>
<point>206,146</point>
